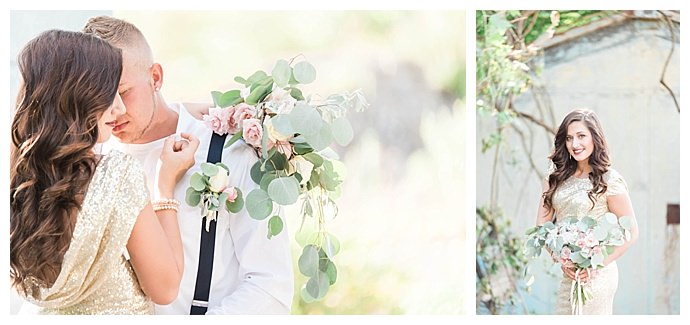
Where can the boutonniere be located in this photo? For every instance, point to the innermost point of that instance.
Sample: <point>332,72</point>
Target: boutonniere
<point>211,190</point>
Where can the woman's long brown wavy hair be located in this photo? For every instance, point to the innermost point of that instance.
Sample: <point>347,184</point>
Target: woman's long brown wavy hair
<point>565,166</point>
<point>69,79</point>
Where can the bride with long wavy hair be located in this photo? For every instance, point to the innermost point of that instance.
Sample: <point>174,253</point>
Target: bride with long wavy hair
<point>84,237</point>
<point>580,183</point>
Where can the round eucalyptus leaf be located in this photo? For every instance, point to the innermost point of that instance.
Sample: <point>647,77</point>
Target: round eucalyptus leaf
<point>281,73</point>
<point>304,72</point>
<point>342,131</point>
<point>266,179</point>
<point>306,296</point>
<point>317,286</point>
<point>259,205</point>
<point>281,123</point>
<point>209,169</point>
<point>322,139</point>
<point>237,205</point>
<point>192,197</point>
<point>197,182</point>
<point>256,173</point>
<point>284,190</point>
<point>308,262</point>
<point>305,119</point>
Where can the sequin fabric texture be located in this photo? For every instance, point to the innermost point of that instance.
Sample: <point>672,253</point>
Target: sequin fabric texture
<point>571,199</point>
<point>95,277</point>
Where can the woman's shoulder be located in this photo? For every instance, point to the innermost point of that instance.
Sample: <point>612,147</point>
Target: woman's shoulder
<point>118,164</point>
<point>612,175</point>
<point>615,182</point>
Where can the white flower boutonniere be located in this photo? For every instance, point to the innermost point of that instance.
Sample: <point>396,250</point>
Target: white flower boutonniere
<point>210,189</point>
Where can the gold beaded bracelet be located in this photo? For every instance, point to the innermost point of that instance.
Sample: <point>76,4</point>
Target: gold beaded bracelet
<point>165,204</point>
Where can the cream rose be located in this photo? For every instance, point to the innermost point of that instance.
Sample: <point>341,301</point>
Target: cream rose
<point>219,182</point>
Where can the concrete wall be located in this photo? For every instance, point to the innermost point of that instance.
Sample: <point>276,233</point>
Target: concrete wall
<point>614,71</point>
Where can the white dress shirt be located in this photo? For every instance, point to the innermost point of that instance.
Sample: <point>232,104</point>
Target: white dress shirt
<point>251,273</point>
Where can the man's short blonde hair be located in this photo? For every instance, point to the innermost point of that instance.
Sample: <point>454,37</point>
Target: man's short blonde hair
<point>121,34</point>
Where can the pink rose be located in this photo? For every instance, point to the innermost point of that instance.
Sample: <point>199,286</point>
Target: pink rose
<point>217,120</point>
<point>233,126</point>
<point>232,193</point>
<point>252,132</point>
<point>243,111</point>
<point>582,243</point>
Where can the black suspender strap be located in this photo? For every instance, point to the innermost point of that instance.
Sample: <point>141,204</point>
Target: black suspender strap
<point>208,241</point>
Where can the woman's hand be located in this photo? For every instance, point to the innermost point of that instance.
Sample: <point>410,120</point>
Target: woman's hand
<point>570,271</point>
<point>176,158</point>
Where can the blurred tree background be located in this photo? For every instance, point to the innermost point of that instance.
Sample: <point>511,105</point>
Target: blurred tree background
<point>400,221</point>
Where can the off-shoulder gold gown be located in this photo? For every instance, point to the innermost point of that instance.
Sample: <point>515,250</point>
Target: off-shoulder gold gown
<point>96,278</point>
<point>571,199</point>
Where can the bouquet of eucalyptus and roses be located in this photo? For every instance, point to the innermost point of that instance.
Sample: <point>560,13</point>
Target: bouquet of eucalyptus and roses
<point>584,242</point>
<point>291,134</point>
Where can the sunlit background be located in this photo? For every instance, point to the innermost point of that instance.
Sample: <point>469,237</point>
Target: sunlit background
<point>401,222</point>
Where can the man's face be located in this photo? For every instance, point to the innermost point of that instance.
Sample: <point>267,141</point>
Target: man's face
<point>137,92</point>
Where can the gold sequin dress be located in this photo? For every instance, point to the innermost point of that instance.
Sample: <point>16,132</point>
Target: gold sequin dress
<point>571,199</point>
<point>96,278</point>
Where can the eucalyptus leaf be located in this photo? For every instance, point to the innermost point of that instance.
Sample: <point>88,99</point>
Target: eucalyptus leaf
<point>281,123</point>
<point>305,119</point>
<point>284,190</point>
<point>317,286</point>
<point>197,182</point>
<point>258,94</point>
<point>266,179</point>
<point>342,131</point>
<point>209,169</point>
<point>216,97</point>
<point>600,233</point>
<point>230,98</point>
<point>275,226</point>
<point>331,272</point>
<point>192,197</point>
<point>306,296</point>
<point>302,148</point>
<point>626,222</point>
<point>237,205</point>
<point>308,262</point>
<point>259,204</point>
<point>304,72</point>
<point>233,139</point>
<point>322,139</point>
<point>296,93</point>
<point>256,77</point>
<point>281,73</point>
<point>332,246</point>
<point>314,158</point>
<point>255,172</point>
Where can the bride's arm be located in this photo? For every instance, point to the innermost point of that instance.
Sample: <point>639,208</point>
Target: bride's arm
<point>620,205</point>
<point>544,214</point>
<point>197,109</point>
